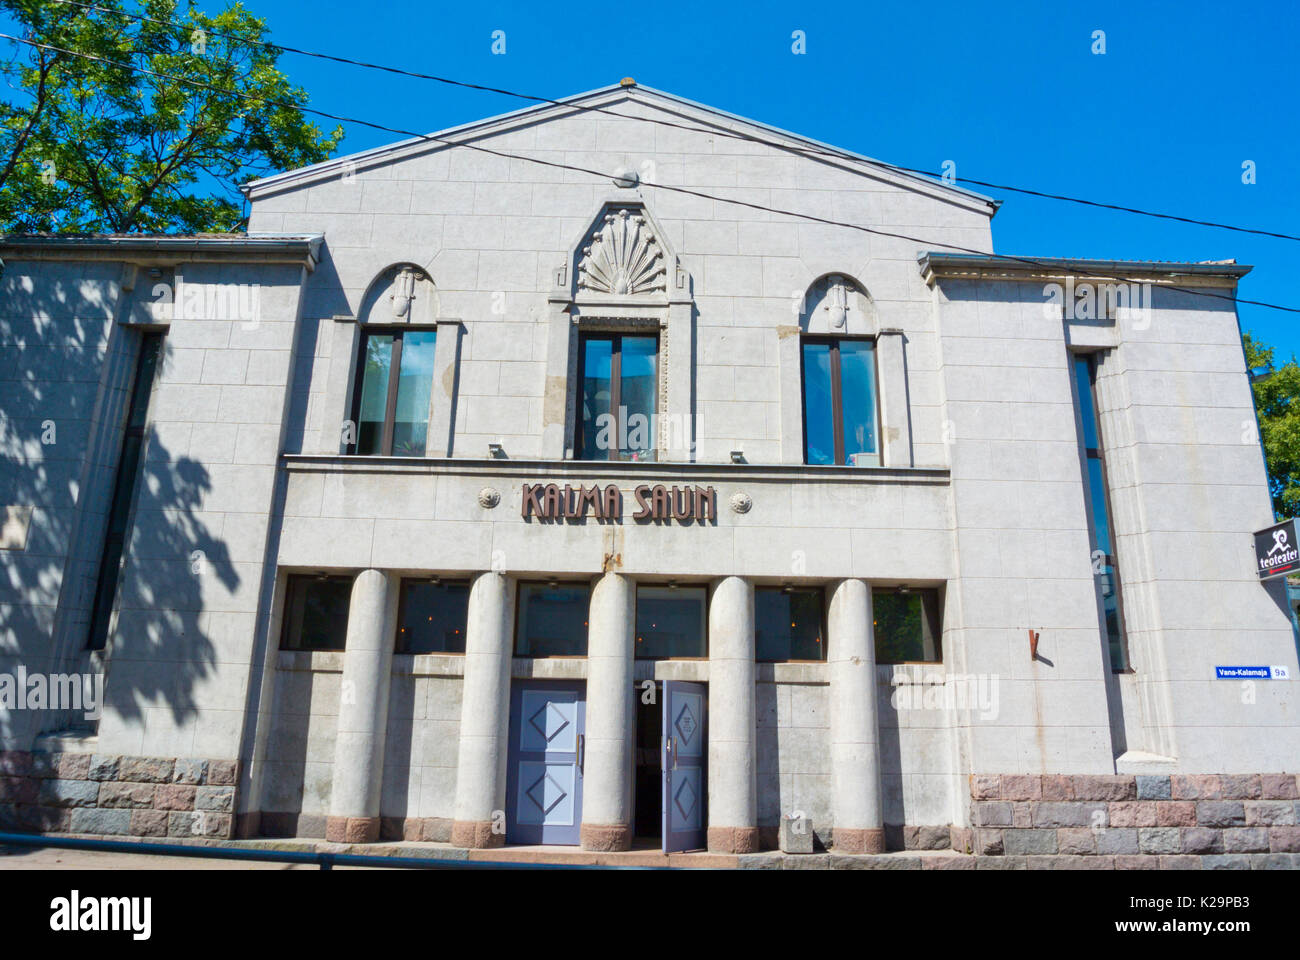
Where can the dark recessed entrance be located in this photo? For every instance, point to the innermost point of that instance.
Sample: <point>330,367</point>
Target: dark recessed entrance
<point>648,763</point>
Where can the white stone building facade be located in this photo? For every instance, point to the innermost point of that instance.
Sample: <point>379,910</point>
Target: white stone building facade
<point>238,513</point>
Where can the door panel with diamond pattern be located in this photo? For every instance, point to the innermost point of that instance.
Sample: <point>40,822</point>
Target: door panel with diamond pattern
<point>685,753</point>
<point>544,778</point>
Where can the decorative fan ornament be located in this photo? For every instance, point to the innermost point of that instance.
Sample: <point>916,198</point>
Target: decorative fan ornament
<point>623,258</point>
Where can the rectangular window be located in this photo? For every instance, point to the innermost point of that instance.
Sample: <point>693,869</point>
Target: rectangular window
<point>1104,567</point>
<point>789,624</point>
<point>552,620</point>
<point>617,397</point>
<point>839,401</point>
<point>670,622</point>
<point>316,613</point>
<point>124,483</point>
<point>906,626</point>
<point>392,411</point>
<point>431,617</point>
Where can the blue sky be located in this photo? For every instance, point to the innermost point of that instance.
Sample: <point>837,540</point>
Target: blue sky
<point>1011,92</point>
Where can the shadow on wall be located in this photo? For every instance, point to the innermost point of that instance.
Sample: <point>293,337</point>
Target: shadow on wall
<point>66,373</point>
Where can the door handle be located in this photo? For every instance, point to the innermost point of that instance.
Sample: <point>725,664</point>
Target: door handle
<point>674,753</point>
<point>582,742</point>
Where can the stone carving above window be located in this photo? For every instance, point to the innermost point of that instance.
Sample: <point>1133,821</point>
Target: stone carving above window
<point>836,303</point>
<point>622,257</point>
<point>403,293</point>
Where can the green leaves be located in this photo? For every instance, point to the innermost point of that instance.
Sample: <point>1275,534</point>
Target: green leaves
<point>87,146</point>
<point>1277,403</point>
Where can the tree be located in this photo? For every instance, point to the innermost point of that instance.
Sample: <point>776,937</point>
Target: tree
<point>90,147</point>
<point>1276,396</point>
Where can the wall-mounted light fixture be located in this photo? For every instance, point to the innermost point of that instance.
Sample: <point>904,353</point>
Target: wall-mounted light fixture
<point>496,451</point>
<point>737,456</point>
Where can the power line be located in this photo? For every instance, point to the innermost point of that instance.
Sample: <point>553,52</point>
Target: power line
<point>731,134</point>
<point>603,175</point>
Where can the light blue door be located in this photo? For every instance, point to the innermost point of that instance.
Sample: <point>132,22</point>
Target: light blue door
<point>685,739</point>
<point>544,773</point>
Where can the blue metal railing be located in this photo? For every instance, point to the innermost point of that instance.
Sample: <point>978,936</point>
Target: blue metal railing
<point>324,860</point>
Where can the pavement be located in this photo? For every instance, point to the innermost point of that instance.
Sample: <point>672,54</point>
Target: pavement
<point>45,858</point>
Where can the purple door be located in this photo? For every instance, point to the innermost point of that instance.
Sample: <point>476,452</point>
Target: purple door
<point>685,752</point>
<point>544,772</point>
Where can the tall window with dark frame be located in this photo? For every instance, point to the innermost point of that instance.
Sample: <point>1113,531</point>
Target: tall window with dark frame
<point>124,484</point>
<point>316,612</point>
<point>906,625</point>
<point>432,616</point>
<point>1104,566</point>
<point>617,396</point>
<point>394,384</point>
<point>789,624</point>
<point>551,619</point>
<point>840,412</point>
<point>671,622</point>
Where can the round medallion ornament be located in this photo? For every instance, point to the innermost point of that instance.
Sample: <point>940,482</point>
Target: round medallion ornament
<point>489,498</point>
<point>740,502</point>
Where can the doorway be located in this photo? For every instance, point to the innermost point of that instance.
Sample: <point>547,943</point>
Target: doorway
<point>671,755</point>
<point>648,769</point>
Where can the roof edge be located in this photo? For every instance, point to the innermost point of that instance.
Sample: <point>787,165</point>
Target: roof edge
<point>935,264</point>
<point>280,247</point>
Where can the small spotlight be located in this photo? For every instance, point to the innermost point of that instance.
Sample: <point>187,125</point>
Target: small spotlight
<point>496,451</point>
<point>672,584</point>
<point>904,588</point>
<point>737,456</point>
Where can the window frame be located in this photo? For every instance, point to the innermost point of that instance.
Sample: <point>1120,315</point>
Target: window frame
<point>708,601</point>
<point>615,388</point>
<point>820,591</point>
<point>401,615</point>
<point>519,611</point>
<point>290,581</point>
<point>1098,453</point>
<point>837,396</point>
<point>397,332</point>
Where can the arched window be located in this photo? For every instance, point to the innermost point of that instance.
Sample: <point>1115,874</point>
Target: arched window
<point>841,410</point>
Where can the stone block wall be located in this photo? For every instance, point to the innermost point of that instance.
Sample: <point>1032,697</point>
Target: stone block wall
<point>1166,816</point>
<point>112,795</point>
<point>793,757</point>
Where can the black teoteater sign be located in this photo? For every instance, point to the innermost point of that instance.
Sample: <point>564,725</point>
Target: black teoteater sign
<point>1276,550</point>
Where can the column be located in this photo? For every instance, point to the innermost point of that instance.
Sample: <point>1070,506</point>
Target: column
<point>363,711</point>
<point>856,803</point>
<point>485,715</point>
<point>895,418</point>
<point>607,777</point>
<point>733,718</point>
